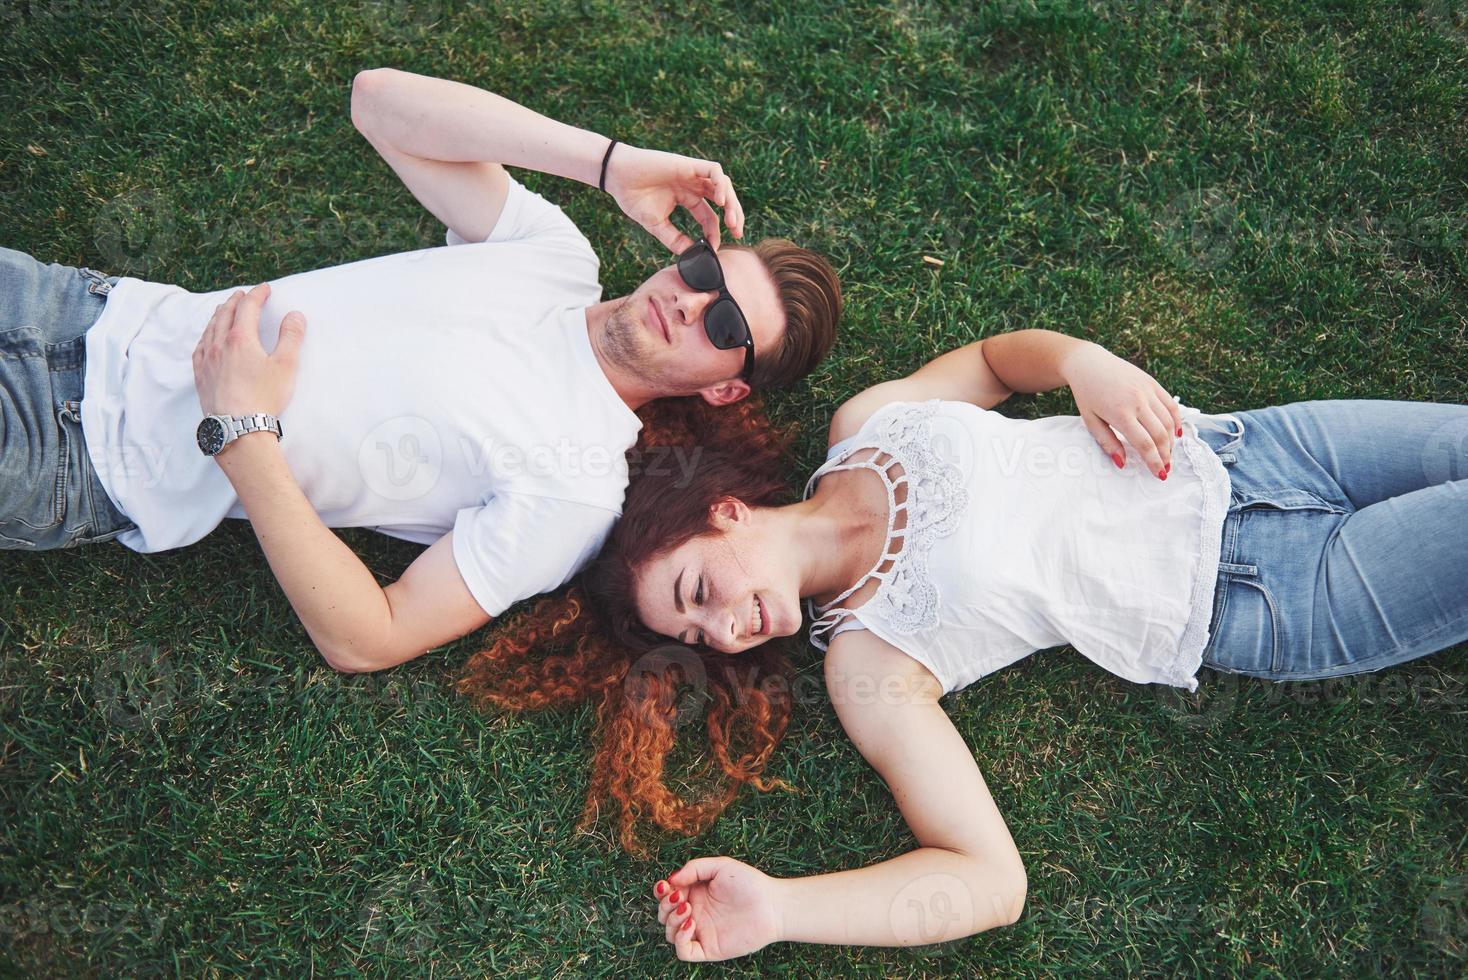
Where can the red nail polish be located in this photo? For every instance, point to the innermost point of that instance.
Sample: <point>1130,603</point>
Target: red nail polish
<point>687,924</point>
<point>675,898</point>
<point>1116,458</point>
<point>662,886</point>
<point>683,909</point>
<point>1161,474</point>
<point>1167,468</point>
<point>1179,430</point>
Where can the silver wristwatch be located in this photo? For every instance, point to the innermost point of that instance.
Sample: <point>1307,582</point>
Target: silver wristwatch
<point>218,431</point>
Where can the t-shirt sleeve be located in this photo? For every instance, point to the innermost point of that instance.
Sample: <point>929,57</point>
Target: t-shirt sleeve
<point>529,217</point>
<point>516,546</point>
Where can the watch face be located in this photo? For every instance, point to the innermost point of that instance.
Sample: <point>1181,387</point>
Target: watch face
<point>210,436</point>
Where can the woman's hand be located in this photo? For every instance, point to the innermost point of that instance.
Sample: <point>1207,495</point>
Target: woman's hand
<point>232,372</point>
<point>649,184</point>
<point>717,908</point>
<point>1112,393</point>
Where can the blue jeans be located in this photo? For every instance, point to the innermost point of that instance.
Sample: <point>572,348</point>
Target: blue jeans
<point>1345,548</point>
<point>50,496</point>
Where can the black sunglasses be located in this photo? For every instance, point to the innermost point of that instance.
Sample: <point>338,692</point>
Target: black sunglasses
<point>723,321</point>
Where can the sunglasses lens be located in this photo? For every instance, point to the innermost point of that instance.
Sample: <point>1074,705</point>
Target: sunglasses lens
<point>725,325</point>
<point>699,267</point>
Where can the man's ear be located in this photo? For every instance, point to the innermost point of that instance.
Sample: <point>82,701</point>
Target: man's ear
<point>725,392</point>
<point>727,511</point>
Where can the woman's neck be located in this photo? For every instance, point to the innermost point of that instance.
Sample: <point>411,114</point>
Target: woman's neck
<point>829,538</point>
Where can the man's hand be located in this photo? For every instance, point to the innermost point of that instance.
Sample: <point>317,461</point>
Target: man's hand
<point>648,184</point>
<point>1113,393</point>
<point>232,372</point>
<point>717,908</point>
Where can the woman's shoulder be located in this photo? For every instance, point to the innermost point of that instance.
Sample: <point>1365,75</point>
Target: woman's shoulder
<point>873,405</point>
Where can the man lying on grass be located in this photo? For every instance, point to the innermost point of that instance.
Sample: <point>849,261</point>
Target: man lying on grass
<point>477,398</point>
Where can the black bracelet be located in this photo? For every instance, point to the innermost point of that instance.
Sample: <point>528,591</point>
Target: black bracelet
<point>602,184</point>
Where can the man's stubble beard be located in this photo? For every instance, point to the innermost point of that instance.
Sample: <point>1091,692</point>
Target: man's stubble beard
<point>625,345</point>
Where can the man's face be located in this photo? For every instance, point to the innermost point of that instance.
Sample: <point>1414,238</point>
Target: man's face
<point>657,332</point>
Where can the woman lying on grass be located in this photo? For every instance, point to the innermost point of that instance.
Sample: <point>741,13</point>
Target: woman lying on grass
<point>941,541</point>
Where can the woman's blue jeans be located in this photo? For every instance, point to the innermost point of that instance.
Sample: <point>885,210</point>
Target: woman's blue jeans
<point>1345,548</point>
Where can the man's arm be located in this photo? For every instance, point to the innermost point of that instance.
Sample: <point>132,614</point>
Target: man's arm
<point>449,141</point>
<point>355,623</point>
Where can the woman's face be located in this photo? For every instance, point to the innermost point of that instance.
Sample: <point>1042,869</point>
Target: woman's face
<point>726,589</point>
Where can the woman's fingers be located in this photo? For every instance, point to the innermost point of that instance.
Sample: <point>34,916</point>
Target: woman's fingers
<point>681,917</point>
<point>1163,432</point>
<point>1104,437</point>
<point>671,899</point>
<point>685,945</point>
<point>1174,412</point>
<point>1141,437</point>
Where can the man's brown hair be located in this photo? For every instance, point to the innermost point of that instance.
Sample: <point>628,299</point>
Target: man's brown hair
<point>810,293</point>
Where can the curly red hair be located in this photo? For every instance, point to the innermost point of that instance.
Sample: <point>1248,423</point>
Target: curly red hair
<point>565,649</point>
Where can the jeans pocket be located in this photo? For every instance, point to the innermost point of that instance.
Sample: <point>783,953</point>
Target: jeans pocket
<point>33,442</point>
<point>1246,634</point>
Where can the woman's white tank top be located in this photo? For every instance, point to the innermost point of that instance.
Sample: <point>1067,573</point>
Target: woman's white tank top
<point>1022,535</point>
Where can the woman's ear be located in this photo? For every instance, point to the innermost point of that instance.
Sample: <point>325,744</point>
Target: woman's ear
<point>727,512</point>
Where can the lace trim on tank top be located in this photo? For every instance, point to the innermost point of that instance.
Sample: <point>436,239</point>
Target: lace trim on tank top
<point>936,499</point>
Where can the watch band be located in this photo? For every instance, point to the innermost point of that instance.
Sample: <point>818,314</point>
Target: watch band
<point>259,422</point>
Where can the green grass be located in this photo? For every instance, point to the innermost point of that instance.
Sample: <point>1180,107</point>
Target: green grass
<point>1259,203</point>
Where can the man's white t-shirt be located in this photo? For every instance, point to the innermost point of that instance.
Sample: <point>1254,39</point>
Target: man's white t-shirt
<point>450,388</point>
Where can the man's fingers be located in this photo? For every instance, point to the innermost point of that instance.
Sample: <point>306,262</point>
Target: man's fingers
<point>248,309</point>
<point>734,214</point>
<point>667,233</point>
<point>707,218</point>
<point>292,334</point>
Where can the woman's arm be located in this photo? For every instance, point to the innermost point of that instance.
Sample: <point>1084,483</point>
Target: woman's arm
<point>1110,393</point>
<point>966,876</point>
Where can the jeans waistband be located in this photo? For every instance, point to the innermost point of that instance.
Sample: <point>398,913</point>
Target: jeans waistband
<point>1216,423</point>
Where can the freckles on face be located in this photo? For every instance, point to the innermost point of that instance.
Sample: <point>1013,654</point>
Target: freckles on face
<point>697,594</point>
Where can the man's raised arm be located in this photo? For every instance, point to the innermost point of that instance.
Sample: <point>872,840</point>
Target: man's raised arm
<point>449,141</point>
